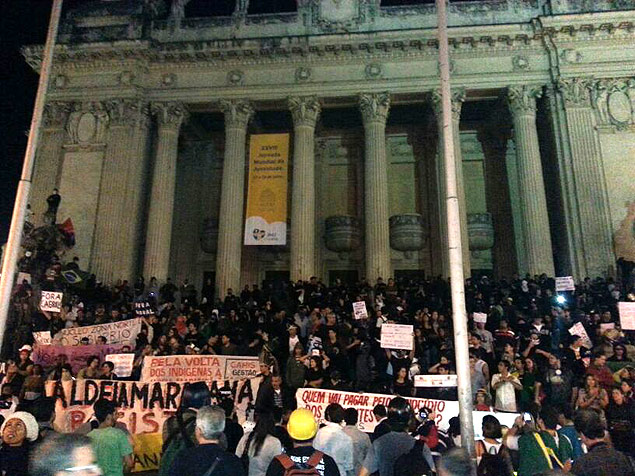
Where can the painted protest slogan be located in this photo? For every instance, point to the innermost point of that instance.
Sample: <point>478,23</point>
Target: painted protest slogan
<point>317,400</point>
<point>184,368</point>
<point>42,337</point>
<point>143,408</point>
<point>49,355</point>
<point>266,217</point>
<point>122,332</point>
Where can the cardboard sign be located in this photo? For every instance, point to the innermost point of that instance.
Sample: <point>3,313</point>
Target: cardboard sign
<point>122,332</point>
<point>627,315</point>
<point>359,310</point>
<point>396,336</point>
<point>192,368</point>
<point>317,400</point>
<point>143,408</point>
<point>436,380</point>
<point>49,355</point>
<point>23,277</point>
<point>42,338</point>
<point>565,283</point>
<point>578,330</point>
<point>142,309</point>
<point>480,317</point>
<point>51,301</point>
<point>123,363</point>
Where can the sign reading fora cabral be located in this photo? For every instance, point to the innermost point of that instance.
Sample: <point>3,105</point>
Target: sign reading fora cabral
<point>266,217</point>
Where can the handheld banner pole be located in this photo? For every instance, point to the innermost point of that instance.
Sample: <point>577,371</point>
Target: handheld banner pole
<point>12,249</point>
<point>459,314</point>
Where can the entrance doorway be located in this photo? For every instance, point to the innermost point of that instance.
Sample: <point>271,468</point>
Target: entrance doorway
<point>408,274</point>
<point>277,279</point>
<point>347,276</point>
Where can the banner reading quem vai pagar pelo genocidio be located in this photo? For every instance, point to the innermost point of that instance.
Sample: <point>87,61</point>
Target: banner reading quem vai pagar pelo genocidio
<point>143,407</point>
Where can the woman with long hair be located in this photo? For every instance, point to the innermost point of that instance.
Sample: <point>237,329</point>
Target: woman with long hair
<point>620,417</point>
<point>259,446</point>
<point>492,456</point>
<point>592,395</point>
<point>402,385</point>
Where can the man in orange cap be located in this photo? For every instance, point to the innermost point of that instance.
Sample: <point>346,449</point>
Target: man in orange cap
<point>302,428</point>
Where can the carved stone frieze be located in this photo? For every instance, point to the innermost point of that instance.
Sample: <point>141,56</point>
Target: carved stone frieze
<point>305,110</point>
<point>373,70</point>
<point>126,78</point>
<point>522,99</point>
<point>576,92</point>
<point>374,107</point>
<point>235,77</point>
<point>520,63</point>
<point>624,240</point>
<point>55,114</point>
<point>128,112</point>
<point>302,74</point>
<point>168,80</point>
<point>237,113</point>
<point>87,124</point>
<point>613,101</point>
<point>337,15</point>
<point>458,96</point>
<point>170,114</point>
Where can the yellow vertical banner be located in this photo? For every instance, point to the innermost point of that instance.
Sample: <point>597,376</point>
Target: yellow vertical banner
<point>266,217</point>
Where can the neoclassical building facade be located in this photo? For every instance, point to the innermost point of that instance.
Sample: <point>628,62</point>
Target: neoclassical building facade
<point>150,111</point>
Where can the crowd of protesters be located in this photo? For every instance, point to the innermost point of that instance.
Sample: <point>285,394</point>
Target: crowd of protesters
<point>523,359</point>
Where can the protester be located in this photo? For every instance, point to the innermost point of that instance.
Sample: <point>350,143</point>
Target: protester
<point>302,428</point>
<point>18,432</point>
<point>111,445</point>
<point>62,455</point>
<point>331,439</point>
<point>601,459</point>
<point>259,446</point>
<point>208,455</point>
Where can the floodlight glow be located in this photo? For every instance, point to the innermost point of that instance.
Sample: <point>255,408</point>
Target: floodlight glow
<point>560,299</point>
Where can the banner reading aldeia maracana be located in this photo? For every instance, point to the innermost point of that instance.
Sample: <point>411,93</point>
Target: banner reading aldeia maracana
<point>266,217</point>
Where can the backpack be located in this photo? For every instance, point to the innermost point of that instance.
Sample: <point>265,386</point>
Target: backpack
<point>176,441</point>
<point>494,464</point>
<point>290,468</point>
<point>412,463</point>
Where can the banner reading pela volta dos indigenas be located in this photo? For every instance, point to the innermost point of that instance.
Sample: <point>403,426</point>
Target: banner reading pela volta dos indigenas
<point>266,217</point>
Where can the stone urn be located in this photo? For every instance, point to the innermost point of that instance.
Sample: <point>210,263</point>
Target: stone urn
<point>209,235</point>
<point>407,233</point>
<point>480,231</point>
<point>342,233</point>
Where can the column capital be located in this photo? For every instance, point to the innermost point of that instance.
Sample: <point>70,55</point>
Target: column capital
<point>522,99</point>
<point>128,112</point>
<point>170,114</point>
<point>576,92</point>
<point>237,112</point>
<point>374,107</point>
<point>305,110</point>
<point>55,114</point>
<point>457,98</point>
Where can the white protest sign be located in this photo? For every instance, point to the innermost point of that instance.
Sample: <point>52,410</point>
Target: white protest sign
<point>51,301</point>
<point>23,277</point>
<point>42,338</point>
<point>627,315</point>
<point>480,317</point>
<point>436,380</point>
<point>396,336</point>
<point>359,310</point>
<point>120,332</point>
<point>565,283</point>
<point>123,363</point>
<point>317,400</point>
<point>187,368</point>
<point>578,330</point>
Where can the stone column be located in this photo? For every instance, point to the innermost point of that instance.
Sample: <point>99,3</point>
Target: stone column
<point>374,109</point>
<point>305,112</point>
<point>458,96</point>
<point>231,220</point>
<point>48,161</point>
<point>588,188</point>
<point>118,213</point>
<point>534,216</point>
<point>170,116</point>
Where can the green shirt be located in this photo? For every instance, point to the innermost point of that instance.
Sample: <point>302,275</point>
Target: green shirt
<point>110,446</point>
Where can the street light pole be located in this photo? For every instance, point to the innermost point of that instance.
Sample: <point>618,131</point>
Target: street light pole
<point>12,248</point>
<point>459,314</point>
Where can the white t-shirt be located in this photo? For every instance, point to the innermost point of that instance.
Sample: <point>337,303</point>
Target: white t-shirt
<point>505,394</point>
